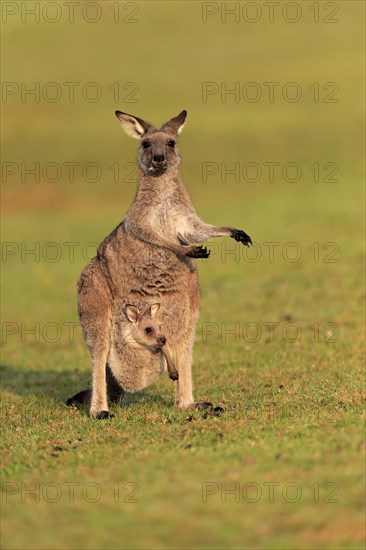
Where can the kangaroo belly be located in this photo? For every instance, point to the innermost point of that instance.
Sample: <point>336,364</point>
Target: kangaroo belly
<point>154,274</point>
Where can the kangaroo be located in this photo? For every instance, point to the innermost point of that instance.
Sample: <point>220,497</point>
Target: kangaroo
<point>150,255</point>
<point>138,347</point>
<point>146,332</point>
<point>135,357</point>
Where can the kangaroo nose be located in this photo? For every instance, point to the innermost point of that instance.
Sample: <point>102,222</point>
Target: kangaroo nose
<point>158,158</point>
<point>163,340</point>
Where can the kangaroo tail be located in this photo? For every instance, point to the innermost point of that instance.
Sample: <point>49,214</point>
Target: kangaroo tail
<point>83,397</point>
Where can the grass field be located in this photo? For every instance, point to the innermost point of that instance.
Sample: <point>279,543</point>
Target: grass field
<point>280,339</point>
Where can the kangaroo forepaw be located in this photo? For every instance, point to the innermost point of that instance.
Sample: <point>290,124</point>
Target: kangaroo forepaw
<point>198,252</point>
<point>174,375</point>
<point>103,415</point>
<point>241,236</point>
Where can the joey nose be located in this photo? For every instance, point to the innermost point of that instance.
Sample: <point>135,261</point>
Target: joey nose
<point>162,340</point>
<point>158,158</point>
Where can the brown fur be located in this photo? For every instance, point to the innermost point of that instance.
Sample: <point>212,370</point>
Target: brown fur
<point>148,257</point>
<point>138,347</point>
<point>136,358</point>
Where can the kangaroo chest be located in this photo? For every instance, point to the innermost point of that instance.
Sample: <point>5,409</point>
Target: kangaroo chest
<point>140,268</point>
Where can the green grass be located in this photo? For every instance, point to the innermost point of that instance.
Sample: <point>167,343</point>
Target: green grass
<point>293,416</point>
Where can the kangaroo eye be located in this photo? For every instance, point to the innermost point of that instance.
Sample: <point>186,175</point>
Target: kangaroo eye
<point>146,144</point>
<point>171,143</point>
<point>148,329</point>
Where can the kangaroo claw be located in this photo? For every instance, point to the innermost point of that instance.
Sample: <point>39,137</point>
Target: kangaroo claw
<point>241,236</point>
<point>198,252</point>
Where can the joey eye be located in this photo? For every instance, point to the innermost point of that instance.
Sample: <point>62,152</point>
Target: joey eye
<point>146,144</point>
<point>148,329</point>
<point>171,143</point>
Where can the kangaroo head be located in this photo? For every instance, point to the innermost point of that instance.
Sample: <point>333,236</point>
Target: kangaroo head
<point>158,152</point>
<point>146,329</point>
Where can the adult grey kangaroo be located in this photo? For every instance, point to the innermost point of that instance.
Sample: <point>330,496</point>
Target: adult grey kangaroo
<point>150,256</point>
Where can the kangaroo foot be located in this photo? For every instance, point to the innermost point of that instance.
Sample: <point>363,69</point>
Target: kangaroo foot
<point>198,252</point>
<point>241,237</point>
<point>103,415</point>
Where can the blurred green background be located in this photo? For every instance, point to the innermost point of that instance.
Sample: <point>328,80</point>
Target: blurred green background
<point>293,411</point>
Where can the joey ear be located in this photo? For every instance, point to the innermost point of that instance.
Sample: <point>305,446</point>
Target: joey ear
<point>133,126</point>
<point>152,311</point>
<point>175,125</point>
<point>132,313</point>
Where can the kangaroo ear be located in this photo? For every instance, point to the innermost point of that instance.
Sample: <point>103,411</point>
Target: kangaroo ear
<point>154,309</point>
<point>175,125</point>
<point>133,126</point>
<point>132,313</point>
